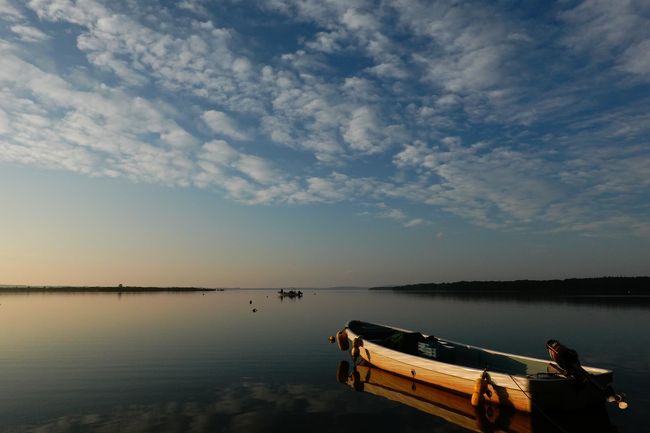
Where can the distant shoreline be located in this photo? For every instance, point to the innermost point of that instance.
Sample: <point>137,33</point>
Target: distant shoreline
<point>572,287</point>
<point>99,289</point>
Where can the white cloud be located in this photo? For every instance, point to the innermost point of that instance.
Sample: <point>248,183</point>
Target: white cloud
<point>67,10</point>
<point>327,42</point>
<point>100,133</point>
<point>196,6</point>
<point>356,20</point>
<point>636,58</point>
<point>197,60</point>
<point>9,12</point>
<point>257,168</point>
<point>424,74</point>
<point>5,126</point>
<point>416,155</point>
<point>178,137</point>
<point>415,222</point>
<point>397,215</point>
<point>469,44</point>
<point>389,70</point>
<point>223,166</point>
<point>325,189</point>
<point>221,123</point>
<point>485,185</point>
<point>241,66</point>
<point>220,152</point>
<point>618,31</point>
<point>361,131</point>
<point>29,33</point>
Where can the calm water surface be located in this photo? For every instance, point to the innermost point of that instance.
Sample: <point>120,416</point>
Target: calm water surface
<point>206,363</point>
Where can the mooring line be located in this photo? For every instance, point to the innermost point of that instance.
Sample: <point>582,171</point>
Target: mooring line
<point>559,427</point>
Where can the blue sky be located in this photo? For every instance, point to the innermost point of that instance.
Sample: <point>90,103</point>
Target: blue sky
<point>409,141</point>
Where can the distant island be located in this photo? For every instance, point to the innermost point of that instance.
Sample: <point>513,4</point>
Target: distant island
<point>103,289</point>
<point>604,286</point>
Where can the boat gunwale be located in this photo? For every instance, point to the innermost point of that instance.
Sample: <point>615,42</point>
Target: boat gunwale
<point>495,374</point>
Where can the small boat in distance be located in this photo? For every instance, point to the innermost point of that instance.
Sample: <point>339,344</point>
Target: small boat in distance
<point>487,376</point>
<point>289,293</point>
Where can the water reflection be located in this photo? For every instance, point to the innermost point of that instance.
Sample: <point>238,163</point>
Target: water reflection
<point>602,301</point>
<point>96,362</point>
<point>247,408</point>
<point>457,409</point>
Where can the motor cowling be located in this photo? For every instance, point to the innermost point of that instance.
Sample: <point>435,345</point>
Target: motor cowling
<point>565,358</point>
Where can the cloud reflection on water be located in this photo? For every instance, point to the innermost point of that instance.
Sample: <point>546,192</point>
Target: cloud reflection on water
<point>252,407</point>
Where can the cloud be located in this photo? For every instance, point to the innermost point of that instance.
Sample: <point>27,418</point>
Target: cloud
<point>140,51</point>
<point>257,168</point>
<point>99,132</point>
<point>356,20</point>
<point>220,152</point>
<point>468,44</point>
<point>466,108</point>
<point>361,131</point>
<point>391,213</point>
<point>414,222</point>
<point>636,58</point>
<point>196,6</point>
<point>485,185</point>
<point>326,42</point>
<point>611,31</point>
<point>9,12</point>
<point>247,407</point>
<point>4,123</point>
<point>222,166</point>
<point>221,123</point>
<point>28,33</point>
<point>178,138</point>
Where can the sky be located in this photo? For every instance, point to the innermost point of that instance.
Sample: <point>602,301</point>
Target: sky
<point>322,142</point>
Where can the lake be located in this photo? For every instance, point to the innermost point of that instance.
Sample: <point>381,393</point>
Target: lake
<point>205,362</point>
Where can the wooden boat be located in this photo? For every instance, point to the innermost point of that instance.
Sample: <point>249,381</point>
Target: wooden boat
<point>457,409</point>
<point>518,382</point>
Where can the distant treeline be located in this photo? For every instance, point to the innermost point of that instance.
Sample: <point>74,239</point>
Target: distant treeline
<point>117,289</point>
<point>605,286</point>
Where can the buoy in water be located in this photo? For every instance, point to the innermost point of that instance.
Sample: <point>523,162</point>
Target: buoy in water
<point>479,390</point>
<point>356,344</point>
<point>342,340</point>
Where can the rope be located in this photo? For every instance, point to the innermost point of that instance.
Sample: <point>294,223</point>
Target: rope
<point>537,407</point>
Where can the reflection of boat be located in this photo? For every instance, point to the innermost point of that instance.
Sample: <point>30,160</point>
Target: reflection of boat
<point>457,409</point>
<point>514,381</point>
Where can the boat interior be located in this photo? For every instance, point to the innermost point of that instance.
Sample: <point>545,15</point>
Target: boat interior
<point>430,347</point>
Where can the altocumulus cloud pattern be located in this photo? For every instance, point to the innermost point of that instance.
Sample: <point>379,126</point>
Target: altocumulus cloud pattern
<point>507,115</point>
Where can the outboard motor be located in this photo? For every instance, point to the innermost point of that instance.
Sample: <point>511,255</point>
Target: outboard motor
<point>567,360</point>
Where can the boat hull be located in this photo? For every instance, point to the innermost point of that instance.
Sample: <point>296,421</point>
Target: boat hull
<point>523,393</point>
<point>456,408</point>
